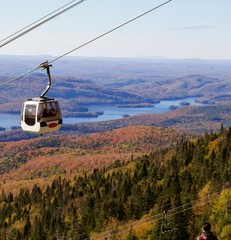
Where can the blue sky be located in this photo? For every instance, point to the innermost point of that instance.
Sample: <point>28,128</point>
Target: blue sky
<point>180,29</point>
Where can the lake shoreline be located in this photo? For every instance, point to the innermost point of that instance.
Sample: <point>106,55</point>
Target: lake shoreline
<point>105,112</point>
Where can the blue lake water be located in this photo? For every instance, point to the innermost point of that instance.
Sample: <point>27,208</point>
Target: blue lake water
<point>110,113</point>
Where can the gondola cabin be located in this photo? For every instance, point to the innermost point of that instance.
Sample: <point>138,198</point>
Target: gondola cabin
<point>41,115</point>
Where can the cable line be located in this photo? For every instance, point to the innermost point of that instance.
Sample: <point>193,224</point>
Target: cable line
<point>16,78</point>
<point>110,31</point>
<point>35,22</point>
<point>157,217</point>
<point>94,39</point>
<point>38,23</point>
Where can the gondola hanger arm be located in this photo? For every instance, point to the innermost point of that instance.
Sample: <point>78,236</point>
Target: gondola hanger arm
<point>46,65</point>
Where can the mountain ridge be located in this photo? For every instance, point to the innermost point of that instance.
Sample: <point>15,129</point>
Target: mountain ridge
<point>87,81</point>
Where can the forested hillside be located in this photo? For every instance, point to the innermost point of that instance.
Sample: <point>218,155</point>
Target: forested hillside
<point>126,200</point>
<point>47,156</point>
<point>124,179</point>
<point>93,81</point>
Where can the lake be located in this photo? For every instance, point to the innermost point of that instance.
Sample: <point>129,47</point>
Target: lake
<point>110,113</point>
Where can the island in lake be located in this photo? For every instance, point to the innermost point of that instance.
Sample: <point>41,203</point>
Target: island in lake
<point>135,105</point>
<point>184,104</point>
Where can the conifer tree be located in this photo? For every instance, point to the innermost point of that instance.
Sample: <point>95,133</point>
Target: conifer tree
<point>131,235</point>
<point>27,228</point>
<point>38,232</point>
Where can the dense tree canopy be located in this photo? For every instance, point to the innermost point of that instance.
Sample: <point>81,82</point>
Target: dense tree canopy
<point>190,182</point>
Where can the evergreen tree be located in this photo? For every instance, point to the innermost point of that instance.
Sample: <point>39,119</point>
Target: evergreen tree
<point>38,232</point>
<point>3,196</point>
<point>131,235</point>
<point>36,194</point>
<point>180,222</point>
<point>27,228</point>
<point>148,198</point>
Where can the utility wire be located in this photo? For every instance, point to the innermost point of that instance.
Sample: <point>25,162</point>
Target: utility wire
<point>38,23</point>
<point>94,39</point>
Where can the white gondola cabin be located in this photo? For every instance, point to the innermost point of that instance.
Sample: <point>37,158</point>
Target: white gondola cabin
<point>41,115</point>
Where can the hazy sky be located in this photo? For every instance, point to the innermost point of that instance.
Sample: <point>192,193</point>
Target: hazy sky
<point>180,29</point>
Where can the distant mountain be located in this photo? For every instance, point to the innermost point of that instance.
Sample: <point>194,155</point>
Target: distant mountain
<point>111,81</point>
<point>71,93</point>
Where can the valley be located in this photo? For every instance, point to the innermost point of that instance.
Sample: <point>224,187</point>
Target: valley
<point>79,82</point>
<point>114,179</point>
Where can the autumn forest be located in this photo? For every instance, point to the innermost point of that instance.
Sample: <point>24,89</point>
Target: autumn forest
<point>147,177</point>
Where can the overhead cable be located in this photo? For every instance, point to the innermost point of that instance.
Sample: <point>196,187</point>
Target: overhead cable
<point>38,23</point>
<point>110,31</point>
<point>40,19</point>
<point>159,216</point>
<point>20,76</point>
<point>94,39</point>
